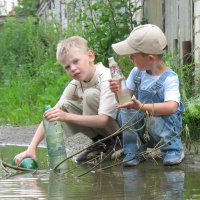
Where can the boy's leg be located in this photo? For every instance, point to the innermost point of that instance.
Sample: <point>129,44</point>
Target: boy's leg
<point>90,105</point>
<point>133,126</point>
<point>70,129</point>
<point>166,131</point>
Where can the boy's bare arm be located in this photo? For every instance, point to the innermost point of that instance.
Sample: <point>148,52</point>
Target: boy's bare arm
<point>93,121</point>
<point>31,150</point>
<point>164,108</point>
<point>38,137</point>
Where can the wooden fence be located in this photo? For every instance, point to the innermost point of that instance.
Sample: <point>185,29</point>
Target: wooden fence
<point>175,18</point>
<point>180,20</point>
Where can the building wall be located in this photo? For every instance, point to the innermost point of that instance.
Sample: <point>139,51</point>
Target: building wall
<point>152,11</point>
<point>138,15</point>
<point>172,29</point>
<point>53,10</point>
<point>6,6</point>
<point>197,40</point>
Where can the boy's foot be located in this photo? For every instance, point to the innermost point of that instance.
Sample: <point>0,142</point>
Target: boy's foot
<point>130,160</point>
<point>107,147</point>
<point>91,152</point>
<point>117,154</point>
<point>173,157</point>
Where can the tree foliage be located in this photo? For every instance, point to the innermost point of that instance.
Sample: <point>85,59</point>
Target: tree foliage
<point>26,7</point>
<point>102,23</point>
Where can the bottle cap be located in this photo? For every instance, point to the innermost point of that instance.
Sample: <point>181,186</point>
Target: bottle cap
<point>27,163</point>
<point>111,61</point>
<point>47,107</point>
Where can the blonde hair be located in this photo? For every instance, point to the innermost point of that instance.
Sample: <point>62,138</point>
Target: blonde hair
<point>64,46</point>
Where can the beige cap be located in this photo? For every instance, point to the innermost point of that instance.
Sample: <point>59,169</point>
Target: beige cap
<point>146,38</point>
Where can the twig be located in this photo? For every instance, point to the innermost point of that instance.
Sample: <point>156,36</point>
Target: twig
<point>16,168</point>
<point>95,165</point>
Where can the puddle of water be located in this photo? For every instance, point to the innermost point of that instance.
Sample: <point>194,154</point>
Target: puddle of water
<point>146,181</point>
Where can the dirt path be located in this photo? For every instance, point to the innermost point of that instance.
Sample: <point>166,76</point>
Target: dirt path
<point>14,135</point>
<point>17,135</point>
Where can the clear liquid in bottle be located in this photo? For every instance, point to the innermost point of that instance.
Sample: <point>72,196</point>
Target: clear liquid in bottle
<point>54,135</point>
<point>123,94</point>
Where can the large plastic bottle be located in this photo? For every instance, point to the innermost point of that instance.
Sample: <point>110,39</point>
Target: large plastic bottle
<point>116,73</point>
<point>54,135</point>
<point>27,163</point>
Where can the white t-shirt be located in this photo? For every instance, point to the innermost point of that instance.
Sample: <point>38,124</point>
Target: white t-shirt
<point>75,90</point>
<point>170,90</point>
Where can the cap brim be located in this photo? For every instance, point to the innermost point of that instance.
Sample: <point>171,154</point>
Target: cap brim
<point>123,48</point>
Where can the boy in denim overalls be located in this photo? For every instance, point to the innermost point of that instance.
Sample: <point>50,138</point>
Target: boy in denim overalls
<point>156,107</point>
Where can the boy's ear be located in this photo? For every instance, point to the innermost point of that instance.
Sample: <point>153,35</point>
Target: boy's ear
<point>151,58</point>
<point>91,55</point>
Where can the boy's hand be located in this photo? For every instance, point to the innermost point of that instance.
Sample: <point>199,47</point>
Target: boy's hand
<point>115,85</point>
<point>25,154</point>
<point>136,104</point>
<point>55,114</point>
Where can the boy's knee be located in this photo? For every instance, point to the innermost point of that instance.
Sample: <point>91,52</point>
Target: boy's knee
<point>91,96</point>
<point>72,107</point>
<point>155,126</point>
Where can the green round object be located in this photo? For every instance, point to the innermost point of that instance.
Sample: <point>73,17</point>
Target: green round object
<point>47,107</point>
<point>27,163</point>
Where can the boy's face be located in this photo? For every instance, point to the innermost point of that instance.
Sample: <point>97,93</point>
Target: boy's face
<point>79,64</point>
<point>142,61</point>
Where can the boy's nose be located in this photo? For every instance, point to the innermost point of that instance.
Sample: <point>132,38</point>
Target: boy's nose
<point>73,67</point>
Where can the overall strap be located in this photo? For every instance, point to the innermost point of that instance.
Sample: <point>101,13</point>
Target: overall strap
<point>137,81</point>
<point>159,83</point>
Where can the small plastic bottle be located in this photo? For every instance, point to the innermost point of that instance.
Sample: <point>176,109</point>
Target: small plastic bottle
<point>116,73</point>
<point>54,135</point>
<point>27,163</point>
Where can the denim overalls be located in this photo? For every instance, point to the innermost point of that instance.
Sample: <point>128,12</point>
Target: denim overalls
<point>163,130</point>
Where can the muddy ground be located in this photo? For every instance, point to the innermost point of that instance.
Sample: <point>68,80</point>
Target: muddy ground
<point>23,135</point>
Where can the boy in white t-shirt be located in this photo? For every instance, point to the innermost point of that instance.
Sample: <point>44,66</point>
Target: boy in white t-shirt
<point>156,90</point>
<point>87,104</point>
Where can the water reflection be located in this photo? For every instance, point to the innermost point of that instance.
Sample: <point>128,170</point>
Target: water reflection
<point>23,186</point>
<point>144,182</point>
<point>108,185</point>
<point>158,184</point>
<point>63,187</point>
<point>56,187</point>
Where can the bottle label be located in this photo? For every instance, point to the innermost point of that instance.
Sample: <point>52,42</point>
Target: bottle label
<point>115,72</point>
